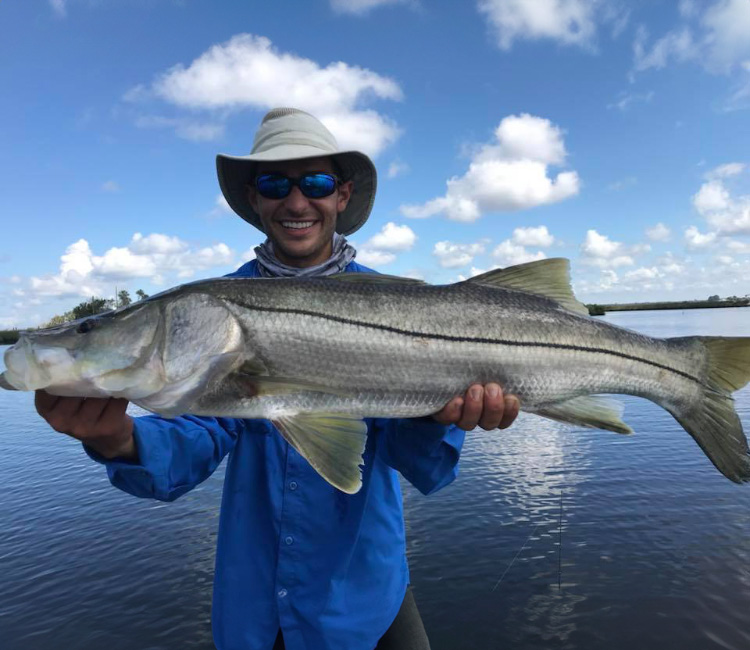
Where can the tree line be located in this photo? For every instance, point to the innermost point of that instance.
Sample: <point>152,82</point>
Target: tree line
<point>91,307</point>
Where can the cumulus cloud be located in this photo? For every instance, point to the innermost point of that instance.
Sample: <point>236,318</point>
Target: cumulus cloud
<point>506,175</point>
<point>393,238</point>
<point>451,255</point>
<point>249,72</point>
<point>599,250</point>
<point>726,170</point>
<point>569,22</point>
<point>538,236</point>
<point>361,7</point>
<point>724,213</point>
<point>155,256</point>
<point>659,232</point>
<point>381,249</point>
<point>694,238</point>
<point>507,253</point>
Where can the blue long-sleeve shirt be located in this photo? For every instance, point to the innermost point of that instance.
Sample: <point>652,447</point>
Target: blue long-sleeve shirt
<point>293,552</point>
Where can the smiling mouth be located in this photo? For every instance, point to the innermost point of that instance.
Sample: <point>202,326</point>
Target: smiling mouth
<point>297,225</point>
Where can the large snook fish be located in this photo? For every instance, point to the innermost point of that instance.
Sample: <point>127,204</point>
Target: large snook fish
<point>317,355</point>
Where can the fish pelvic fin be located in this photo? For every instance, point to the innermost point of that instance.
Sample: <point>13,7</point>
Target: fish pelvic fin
<point>592,411</point>
<point>332,443</point>
<point>713,421</point>
<point>549,278</point>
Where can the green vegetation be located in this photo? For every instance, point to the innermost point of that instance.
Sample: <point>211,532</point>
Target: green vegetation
<point>712,302</point>
<point>94,306</point>
<point>8,337</point>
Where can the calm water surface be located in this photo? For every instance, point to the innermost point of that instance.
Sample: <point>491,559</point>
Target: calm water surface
<point>552,537</point>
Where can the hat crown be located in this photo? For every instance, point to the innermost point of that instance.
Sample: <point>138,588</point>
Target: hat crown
<point>291,126</point>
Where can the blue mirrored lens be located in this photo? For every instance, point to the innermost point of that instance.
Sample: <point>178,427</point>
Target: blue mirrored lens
<point>273,186</point>
<point>313,186</point>
<point>317,185</point>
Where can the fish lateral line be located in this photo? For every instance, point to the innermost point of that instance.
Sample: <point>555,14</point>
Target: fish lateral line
<point>465,339</point>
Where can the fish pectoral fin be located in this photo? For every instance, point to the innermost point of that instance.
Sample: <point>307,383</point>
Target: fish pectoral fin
<point>373,278</point>
<point>549,278</point>
<point>592,411</point>
<point>256,374</point>
<point>4,383</point>
<point>332,443</point>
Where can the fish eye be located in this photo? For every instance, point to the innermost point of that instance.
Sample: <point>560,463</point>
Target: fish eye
<point>85,326</point>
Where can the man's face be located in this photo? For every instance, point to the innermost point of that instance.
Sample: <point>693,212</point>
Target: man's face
<point>310,244</point>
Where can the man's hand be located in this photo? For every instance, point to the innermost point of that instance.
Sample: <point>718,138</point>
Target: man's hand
<point>100,423</point>
<point>485,406</point>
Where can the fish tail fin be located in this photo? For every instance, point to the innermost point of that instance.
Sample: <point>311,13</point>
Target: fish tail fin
<point>712,420</point>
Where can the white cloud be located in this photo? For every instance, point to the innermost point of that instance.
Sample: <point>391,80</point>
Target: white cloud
<point>154,257</point>
<point>659,232</point>
<point>626,99</point>
<point>59,7</point>
<point>187,129</point>
<point>509,174</point>
<point>110,186</point>
<point>451,255</point>
<point>739,98</point>
<point>397,168</point>
<point>392,238</point>
<point>695,239</point>
<point>724,213</point>
<point>248,72</point>
<point>599,250</point>
<point>717,35</point>
<point>712,196</point>
<point>361,7</point>
<point>727,170</point>
<point>370,257</point>
<point>221,207</point>
<point>570,22</point>
<point>509,254</point>
<point>538,236</point>
<point>676,45</point>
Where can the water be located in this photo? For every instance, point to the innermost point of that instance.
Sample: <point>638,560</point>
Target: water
<point>551,537</point>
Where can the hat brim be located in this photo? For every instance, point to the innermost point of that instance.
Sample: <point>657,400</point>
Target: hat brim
<point>236,172</point>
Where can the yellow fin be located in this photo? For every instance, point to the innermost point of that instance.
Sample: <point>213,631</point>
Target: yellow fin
<point>592,411</point>
<point>549,278</point>
<point>332,443</point>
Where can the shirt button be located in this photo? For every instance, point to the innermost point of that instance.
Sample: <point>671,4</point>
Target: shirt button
<point>289,540</point>
<point>293,485</point>
<point>282,593</point>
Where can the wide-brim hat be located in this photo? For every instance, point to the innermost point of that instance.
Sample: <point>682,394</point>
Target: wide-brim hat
<point>292,134</point>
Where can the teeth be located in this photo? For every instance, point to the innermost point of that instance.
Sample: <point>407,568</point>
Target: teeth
<point>297,224</point>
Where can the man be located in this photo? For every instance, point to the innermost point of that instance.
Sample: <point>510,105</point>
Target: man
<point>299,564</point>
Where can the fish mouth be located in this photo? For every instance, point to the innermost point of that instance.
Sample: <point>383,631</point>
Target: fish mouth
<point>5,383</point>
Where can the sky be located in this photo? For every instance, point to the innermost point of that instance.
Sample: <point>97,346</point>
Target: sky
<point>613,133</point>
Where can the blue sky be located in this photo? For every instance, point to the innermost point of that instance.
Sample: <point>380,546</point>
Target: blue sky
<point>613,133</point>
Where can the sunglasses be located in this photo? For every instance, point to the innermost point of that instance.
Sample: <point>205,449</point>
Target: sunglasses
<point>315,185</point>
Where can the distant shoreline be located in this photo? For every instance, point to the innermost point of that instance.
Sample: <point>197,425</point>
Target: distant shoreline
<point>600,309</point>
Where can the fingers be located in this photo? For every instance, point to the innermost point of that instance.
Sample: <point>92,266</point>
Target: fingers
<point>483,406</point>
<point>472,411</point>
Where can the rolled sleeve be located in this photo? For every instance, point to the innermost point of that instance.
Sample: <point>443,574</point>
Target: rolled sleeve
<point>424,451</point>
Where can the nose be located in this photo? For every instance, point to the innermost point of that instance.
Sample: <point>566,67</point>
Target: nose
<point>296,202</point>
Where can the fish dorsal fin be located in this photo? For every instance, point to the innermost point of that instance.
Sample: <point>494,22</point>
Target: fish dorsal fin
<point>549,278</point>
<point>333,443</point>
<point>373,278</point>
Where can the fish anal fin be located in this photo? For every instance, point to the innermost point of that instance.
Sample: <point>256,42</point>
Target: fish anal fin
<point>591,411</point>
<point>332,443</point>
<point>549,278</point>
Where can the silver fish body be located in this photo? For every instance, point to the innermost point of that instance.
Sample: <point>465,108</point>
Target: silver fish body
<point>316,355</point>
